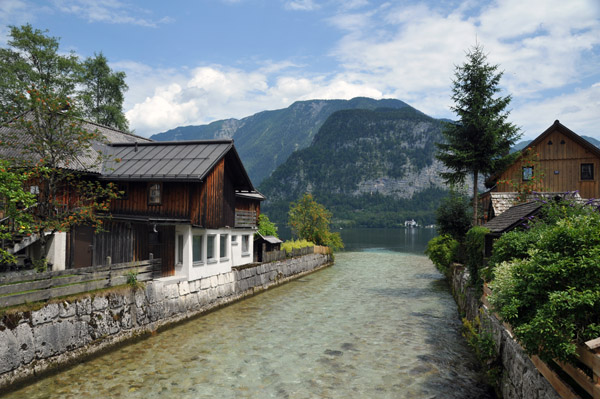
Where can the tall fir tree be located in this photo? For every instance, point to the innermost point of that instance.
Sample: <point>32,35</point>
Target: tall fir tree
<point>479,142</point>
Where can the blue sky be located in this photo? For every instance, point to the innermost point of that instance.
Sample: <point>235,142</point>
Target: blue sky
<point>193,62</point>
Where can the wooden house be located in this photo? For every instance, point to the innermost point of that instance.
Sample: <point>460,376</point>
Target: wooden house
<point>189,203</point>
<point>556,162</point>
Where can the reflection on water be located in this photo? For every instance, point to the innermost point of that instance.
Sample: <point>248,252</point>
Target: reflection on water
<point>378,324</point>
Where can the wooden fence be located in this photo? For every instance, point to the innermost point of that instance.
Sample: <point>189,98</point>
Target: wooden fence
<point>586,375</point>
<point>17,290</point>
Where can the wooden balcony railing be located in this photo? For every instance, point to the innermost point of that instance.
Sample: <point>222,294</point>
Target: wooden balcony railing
<point>245,218</point>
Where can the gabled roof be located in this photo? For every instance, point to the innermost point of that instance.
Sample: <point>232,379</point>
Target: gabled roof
<point>556,126</point>
<point>173,161</point>
<point>513,217</point>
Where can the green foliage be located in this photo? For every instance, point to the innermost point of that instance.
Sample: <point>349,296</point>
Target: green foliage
<point>551,296</point>
<point>480,141</point>
<point>266,227</point>
<point>50,143</point>
<point>102,94</point>
<point>442,250</point>
<point>453,215</point>
<point>132,279</point>
<point>474,244</point>
<point>482,342</point>
<point>295,244</point>
<point>14,200</point>
<point>310,220</point>
<point>511,246</point>
<point>33,60</point>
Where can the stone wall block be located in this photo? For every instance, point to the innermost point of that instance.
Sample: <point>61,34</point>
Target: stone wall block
<point>221,279</point>
<point>214,281</point>
<point>66,309</point>
<point>46,314</point>
<point>99,303</point>
<point>194,286</point>
<point>205,283</point>
<point>154,291</point>
<point>25,342</point>
<point>116,300</point>
<point>84,306</point>
<point>184,288</point>
<point>9,351</point>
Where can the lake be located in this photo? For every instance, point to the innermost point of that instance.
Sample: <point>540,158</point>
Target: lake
<point>380,323</point>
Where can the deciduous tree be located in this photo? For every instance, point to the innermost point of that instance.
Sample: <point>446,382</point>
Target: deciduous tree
<point>480,140</point>
<point>102,94</point>
<point>310,220</point>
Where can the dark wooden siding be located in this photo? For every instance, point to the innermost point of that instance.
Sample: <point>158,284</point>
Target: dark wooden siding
<point>211,198</point>
<point>127,242</point>
<point>564,158</point>
<point>175,200</point>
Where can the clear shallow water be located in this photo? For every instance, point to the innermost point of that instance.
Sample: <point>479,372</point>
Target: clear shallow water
<point>378,324</point>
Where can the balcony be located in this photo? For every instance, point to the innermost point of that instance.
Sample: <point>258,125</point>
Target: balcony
<point>245,218</point>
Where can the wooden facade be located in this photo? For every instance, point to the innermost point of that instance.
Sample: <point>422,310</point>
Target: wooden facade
<point>140,227</point>
<point>560,154</point>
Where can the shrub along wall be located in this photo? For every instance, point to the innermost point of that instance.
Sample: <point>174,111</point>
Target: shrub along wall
<point>35,341</point>
<point>515,375</point>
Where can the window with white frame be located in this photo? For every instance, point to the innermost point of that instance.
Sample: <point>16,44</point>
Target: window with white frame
<point>245,244</point>
<point>223,246</point>
<point>154,194</point>
<point>197,255</point>
<point>179,259</point>
<point>210,247</point>
<point>234,240</point>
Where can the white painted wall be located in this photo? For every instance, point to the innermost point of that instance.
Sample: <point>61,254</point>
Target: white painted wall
<point>205,267</point>
<point>57,251</point>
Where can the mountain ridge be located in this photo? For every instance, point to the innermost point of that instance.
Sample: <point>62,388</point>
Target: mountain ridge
<point>266,139</point>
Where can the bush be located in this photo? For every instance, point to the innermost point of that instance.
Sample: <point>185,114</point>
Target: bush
<point>474,243</point>
<point>442,251</point>
<point>551,296</point>
<point>295,244</point>
<point>511,246</point>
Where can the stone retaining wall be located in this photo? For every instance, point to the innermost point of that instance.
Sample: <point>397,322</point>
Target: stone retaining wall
<point>520,377</point>
<point>60,333</point>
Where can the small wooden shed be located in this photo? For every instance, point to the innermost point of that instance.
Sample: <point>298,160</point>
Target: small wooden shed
<point>264,244</point>
<point>514,217</point>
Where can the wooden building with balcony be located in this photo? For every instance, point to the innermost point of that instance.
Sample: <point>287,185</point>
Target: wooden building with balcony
<point>190,203</point>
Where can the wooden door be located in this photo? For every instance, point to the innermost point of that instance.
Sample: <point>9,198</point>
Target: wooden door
<point>82,246</point>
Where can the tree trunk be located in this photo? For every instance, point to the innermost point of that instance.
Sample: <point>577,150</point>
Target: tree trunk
<point>475,197</point>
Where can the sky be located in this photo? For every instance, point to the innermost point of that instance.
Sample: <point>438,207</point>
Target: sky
<point>194,62</point>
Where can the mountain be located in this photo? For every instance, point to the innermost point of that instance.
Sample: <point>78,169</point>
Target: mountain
<point>369,167</point>
<point>266,139</point>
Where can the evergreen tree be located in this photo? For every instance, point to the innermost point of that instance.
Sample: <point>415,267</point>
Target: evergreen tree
<point>479,142</point>
<point>102,95</point>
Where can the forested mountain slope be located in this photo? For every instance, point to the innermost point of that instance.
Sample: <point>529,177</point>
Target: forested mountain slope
<point>370,167</point>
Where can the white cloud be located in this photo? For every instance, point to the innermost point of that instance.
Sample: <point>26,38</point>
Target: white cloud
<point>108,11</point>
<point>406,52</point>
<point>301,5</point>
<point>578,111</point>
<point>13,12</point>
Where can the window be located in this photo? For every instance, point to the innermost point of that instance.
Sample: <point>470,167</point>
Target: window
<point>210,247</point>
<point>35,190</point>
<point>223,246</point>
<point>234,240</point>
<point>527,173</point>
<point>197,249</point>
<point>587,171</point>
<point>180,249</point>
<point>245,244</point>
<point>154,194</point>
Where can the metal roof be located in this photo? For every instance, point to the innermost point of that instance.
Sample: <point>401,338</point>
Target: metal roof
<point>513,217</point>
<point>175,160</point>
<point>86,161</point>
<point>270,239</point>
